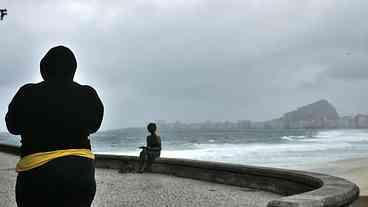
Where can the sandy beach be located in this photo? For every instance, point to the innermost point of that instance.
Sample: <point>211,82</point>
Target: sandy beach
<point>354,170</point>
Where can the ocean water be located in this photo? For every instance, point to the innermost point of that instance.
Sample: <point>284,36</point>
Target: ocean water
<point>297,149</point>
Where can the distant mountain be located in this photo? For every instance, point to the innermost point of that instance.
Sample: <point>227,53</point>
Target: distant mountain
<point>316,111</point>
<point>320,114</point>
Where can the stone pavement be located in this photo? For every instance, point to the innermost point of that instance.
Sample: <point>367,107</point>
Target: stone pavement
<point>115,190</point>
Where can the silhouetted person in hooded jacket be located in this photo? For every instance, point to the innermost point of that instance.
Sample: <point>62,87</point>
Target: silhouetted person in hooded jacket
<point>54,119</point>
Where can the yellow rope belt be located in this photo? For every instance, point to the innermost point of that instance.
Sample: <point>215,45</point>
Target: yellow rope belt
<point>37,159</point>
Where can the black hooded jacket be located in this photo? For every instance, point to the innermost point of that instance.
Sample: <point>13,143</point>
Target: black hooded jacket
<point>56,113</point>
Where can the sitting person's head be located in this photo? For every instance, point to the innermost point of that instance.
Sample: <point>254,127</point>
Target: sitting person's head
<point>152,128</point>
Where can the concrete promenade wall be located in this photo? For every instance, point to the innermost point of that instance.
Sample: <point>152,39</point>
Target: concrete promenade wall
<point>300,188</point>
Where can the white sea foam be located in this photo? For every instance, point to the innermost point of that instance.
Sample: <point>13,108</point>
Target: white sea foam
<point>292,138</point>
<point>289,138</point>
<point>339,136</point>
<point>323,146</point>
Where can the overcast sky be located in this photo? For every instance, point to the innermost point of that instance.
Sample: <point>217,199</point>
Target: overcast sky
<point>195,60</point>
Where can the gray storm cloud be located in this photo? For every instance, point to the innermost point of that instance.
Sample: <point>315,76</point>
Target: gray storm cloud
<point>195,60</point>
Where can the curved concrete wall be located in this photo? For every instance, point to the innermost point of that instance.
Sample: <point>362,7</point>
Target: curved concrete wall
<point>298,187</point>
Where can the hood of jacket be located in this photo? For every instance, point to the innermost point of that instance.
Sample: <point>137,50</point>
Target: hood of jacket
<point>59,64</point>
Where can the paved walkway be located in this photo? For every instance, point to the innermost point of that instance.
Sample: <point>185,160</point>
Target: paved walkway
<point>115,190</point>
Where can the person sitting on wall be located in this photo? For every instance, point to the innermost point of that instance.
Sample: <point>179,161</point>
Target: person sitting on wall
<point>152,151</point>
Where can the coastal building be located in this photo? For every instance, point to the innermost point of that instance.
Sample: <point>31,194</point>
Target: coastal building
<point>346,122</point>
<point>244,124</point>
<point>361,121</point>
